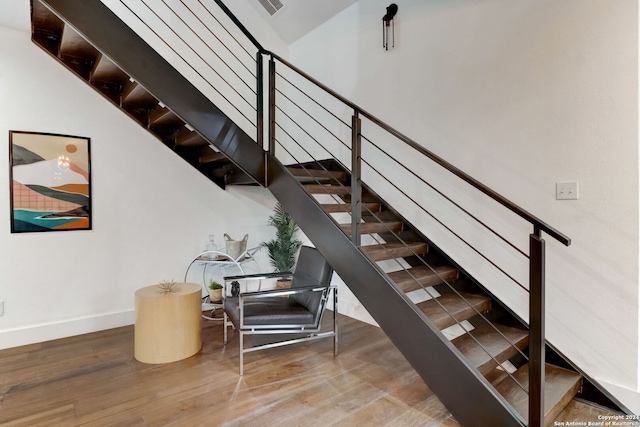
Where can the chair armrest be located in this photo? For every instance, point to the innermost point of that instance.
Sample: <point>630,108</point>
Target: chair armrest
<point>281,292</point>
<point>258,276</point>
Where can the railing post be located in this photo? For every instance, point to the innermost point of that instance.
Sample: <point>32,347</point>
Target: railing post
<point>356,178</point>
<point>272,106</point>
<point>536,329</point>
<point>259,100</point>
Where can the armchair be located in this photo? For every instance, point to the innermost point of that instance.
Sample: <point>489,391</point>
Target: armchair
<point>297,310</point>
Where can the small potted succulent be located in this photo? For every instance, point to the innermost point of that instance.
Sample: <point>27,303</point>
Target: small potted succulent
<point>215,291</point>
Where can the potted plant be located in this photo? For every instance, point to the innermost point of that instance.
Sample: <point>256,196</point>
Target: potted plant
<point>215,291</point>
<point>283,249</point>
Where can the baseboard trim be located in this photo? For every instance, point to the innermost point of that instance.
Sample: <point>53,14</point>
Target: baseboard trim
<point>33,334</point>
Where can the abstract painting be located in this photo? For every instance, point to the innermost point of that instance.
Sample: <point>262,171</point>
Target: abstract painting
<point>50,182</point>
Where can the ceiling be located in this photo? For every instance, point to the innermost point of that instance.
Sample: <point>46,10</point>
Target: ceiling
<point>299,17</point>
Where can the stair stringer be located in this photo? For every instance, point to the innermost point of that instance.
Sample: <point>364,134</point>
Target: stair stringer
<point>113,38</point>
<point>462,389</point>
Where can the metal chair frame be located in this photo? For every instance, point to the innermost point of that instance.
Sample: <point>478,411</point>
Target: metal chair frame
<point>313,331</point>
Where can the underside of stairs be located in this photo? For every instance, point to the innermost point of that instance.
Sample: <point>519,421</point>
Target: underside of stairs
<point>478,366</point>
<point>125,92</point>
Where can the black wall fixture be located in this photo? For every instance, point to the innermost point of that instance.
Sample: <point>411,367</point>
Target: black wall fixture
<point>388,26</point>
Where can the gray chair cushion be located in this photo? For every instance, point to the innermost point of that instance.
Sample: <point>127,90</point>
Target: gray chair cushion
<point>268,311</point>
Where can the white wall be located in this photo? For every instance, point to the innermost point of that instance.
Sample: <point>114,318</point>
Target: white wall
<point>521,94</point>
<point>152,212</point>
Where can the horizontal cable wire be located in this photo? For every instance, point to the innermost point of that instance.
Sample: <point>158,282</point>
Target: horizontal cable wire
<point>186,62</point>
<point>449,285</point>
<point>310,98</point>
<point>198,54</point>
<point>445,226</point>
<point>210,48</point>
<point>305,131</point>
<point>314,119</point>
<point>253,74</point>
<point>447,198</point>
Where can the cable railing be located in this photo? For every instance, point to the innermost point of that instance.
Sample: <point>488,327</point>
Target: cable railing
<point>375,170</point>
<point>449,229</point>
<point>207,47</point>
<point>313,163</point>
<point>533,220</point>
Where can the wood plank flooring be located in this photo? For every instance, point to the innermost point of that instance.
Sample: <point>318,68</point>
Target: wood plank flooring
<point>93,380</point>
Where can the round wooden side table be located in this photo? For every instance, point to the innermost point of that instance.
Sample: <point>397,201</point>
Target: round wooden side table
<point>168,325</point>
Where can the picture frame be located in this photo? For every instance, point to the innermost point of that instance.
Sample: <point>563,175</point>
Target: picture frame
<point>50,182</point>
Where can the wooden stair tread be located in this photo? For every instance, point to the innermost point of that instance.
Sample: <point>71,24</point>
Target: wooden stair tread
<point>317,174</point>
<point>395,250</point>
<point>375,227</point>
<point>43,18</point>
<point>561,385</point>
<point>422,276</point>
<point>187,138</point>
<point>348,207</point>
<point>327,189</point>
<point>163,116</point>
<point>104,70</point>
<point>74,45</point>
<point>492,342</point>
<point>455,306</point>
<point>211,156</point>
<point>134,94</point>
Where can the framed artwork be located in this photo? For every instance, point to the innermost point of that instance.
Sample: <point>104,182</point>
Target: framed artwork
<point>50,182</point>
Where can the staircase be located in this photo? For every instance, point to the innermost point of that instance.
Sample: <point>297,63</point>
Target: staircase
<point>484,344</point>
<point>481,375</point>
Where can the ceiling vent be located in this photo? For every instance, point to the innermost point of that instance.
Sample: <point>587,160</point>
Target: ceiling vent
<point>271,6</point>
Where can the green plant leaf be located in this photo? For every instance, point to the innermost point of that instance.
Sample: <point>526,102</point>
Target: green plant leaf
<point>283,249</point>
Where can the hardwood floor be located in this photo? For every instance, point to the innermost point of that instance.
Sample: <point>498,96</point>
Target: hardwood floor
<point>93,380</point>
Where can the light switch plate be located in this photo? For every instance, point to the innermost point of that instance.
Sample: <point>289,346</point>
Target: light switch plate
<point>1,308</point>
<point>567,190</point>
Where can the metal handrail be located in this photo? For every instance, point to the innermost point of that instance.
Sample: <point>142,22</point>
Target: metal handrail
<point>535,221</point>
<point>241,27</point>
